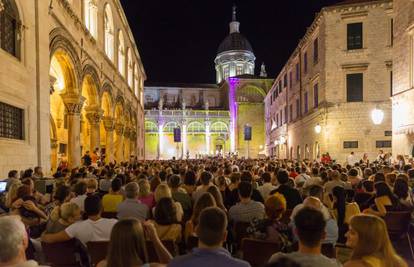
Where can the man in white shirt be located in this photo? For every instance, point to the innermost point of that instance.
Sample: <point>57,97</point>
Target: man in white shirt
<point>95,228</point>
<point>267,186</point>
<point>351,159</point>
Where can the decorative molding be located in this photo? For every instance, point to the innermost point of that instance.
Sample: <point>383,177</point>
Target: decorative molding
<point>94,117</point>
<point>360,14</point>
<point>108,123</point>
<point>355,66</point>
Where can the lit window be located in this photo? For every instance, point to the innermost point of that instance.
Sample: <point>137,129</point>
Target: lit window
<point>109,32</point>
<point>239,70</point>
<point>130,69</point>
<point>121,54</point>
<point>91,17</point>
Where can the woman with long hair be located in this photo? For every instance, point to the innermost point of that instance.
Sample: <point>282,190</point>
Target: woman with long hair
<point>163,191</point>
<point>127,245</point>
<point>385,200</point>
<point>145,195</point>
<point>214,191</point>
<point>62,216</point>
<point>165,220</point>
<point>368,238</point>
<point>204,201</point>
<point>342,211</point>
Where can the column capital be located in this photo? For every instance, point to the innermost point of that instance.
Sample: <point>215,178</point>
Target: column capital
<point>108,123</point>
<point>73,103</point>
<point>119,128</point>
<point>94,116</point>
<point>53,143</point>
<point>127,132</point>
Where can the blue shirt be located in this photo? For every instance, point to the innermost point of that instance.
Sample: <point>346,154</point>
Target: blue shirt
<point>199,257</point>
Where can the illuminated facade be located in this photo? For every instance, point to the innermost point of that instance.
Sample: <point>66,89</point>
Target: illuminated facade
<point>63,87</point>
<point>324,97</point>
<point>403,79</point>
<point>211,118</point>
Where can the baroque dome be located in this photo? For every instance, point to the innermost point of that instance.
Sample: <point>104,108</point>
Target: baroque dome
<point>234,41</point>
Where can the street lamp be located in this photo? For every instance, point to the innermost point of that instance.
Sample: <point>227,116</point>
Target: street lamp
<point>318,128</point>
<point>377,116</point>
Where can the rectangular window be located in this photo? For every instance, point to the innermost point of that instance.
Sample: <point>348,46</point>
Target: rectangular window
<point>306,102</point>
<point>354,87</point>
<point>297,108</point>
<point>285,80</point>
<point>297,72</point>
<point>391,85</point>
<point>290,113</point>
<point>387,133</point>
<point>315,95</point>
<point>11,122</point>
<point>354,36</point>
<point>350,144</point>
<point>383,143</point>
<point>315,51</point>
<point>286,114</point>
<point>290,80</point>
<point>305,62</point>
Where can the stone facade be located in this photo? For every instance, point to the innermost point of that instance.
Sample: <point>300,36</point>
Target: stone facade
<point>71,84</point>
<point>403,78</point>
<point>312,87</point>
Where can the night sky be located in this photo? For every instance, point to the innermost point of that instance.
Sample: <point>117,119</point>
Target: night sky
<point>178,39</point>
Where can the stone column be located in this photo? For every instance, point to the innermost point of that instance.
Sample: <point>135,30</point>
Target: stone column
<point>159,145</point>
<point>94,118</point>
<point>208,137</point>
<point>119,153</point>
<point>109,139</point>
<point>133,140</point>
<point>127,144</point>
<point>73,104</point>
<point>53,156</point>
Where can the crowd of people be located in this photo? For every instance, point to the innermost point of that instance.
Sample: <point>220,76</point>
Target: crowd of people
<point>205,208</point>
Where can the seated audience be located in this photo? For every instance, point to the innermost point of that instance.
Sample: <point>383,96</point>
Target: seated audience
<point>247,209</point>
<point>145,195</point>
<point>189,182</point>
<point>206,179</point>
<point>214,191</point>
<point>127,247</point>
<point>310,228</point>
<point>212,232</point>
<point>365,196</point>
<point>62,216</point>
<point>371,246</point>
<point>291,195</point>
<point>80,195</point>
<point>267,186</point>
<point>131,207</point>
<point>206,200</point>
<point>180,195</point>
<point>61,195</point>
<point>163,191</point>
<point>111,200</point>
<point>402,191</point>
<point>13,243</point>
<point>95,228</point>
<point>271,228</point>
<point>165,220</point>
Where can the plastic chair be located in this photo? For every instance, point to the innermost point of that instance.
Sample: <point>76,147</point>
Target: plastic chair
<point>398,225</point>
<point>97,251</point>
<point>258,252</point>
<point>62,254</point>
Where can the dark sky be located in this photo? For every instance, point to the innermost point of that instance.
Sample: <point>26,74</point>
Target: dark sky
<point>178,39</point>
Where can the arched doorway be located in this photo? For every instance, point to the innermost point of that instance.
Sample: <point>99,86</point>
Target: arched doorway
<point>107,126</point>
<point>65,106</point>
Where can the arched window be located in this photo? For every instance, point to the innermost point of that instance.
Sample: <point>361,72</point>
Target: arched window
<point>150,127</point>
<point>196,127</point>
<point>169,127</point>
<point>218,127</point>
<point>10,27</point>
<point>121,53</point>
<point>136,82</point>
<point>91,17</point>
<point>109,32</point>
<point>130,69</point>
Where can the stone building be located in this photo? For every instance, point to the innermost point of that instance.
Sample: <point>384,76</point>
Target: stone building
<point>71,80</point>
<point>211,117</point>
<point>403,78</point>
<point>335,84</point>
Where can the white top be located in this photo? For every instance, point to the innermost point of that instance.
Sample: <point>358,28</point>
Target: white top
<point>265,189</point>
<point>80,201</point>
<point>89,230</point>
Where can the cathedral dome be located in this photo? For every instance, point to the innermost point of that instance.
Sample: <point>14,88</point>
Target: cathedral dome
<point>234,41</point>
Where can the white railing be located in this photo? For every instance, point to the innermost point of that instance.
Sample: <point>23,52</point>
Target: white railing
<point>188,113</point>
